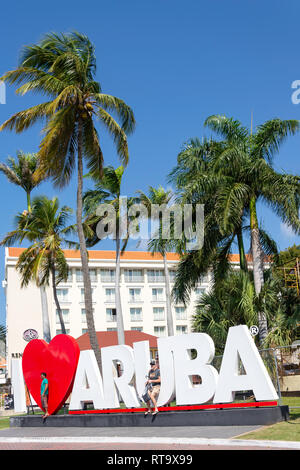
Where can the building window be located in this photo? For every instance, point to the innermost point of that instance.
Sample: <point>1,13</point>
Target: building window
<point>155,275</point>
<point>93,275</point>
<point>83,315</point>
<point>199,292</point>
<point>111,329</point>
<point>84,330</point>
<point>79,275</point>
<point>157,295</point>
<point>136,314</point>
<point>108,275</point>
<point>180,313</point>
<point>181,329</point>
<point>69,277</point>
<point>59,332</point>
<point>134,295</point>
<point>158,313</point>
<point>82,295</point>
<point>111,315</point>
<point>172,274</point>
<point>65,314</point>
<point>62,295</point>
<point>136,328</point>
<point>160,331</point>
<point>134,275</point>
<point>204,279</point>
<point>110,295</point>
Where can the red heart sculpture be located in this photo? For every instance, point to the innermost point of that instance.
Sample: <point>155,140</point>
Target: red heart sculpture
<point>59,360</point>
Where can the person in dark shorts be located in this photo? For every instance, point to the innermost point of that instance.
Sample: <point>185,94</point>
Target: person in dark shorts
<point>154,382</point>
<point>44,393</point>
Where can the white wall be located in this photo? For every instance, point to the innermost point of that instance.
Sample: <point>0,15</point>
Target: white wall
<point>24,305</point>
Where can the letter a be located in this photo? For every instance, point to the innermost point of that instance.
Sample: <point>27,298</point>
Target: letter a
<point>239,343</point>
<point>88,383</point>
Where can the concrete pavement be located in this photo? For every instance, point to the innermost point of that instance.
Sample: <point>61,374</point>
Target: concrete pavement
<point>178,438</point>
<point>136,444</point>
<point>216,432</point>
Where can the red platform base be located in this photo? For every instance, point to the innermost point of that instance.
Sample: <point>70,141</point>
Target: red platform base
<point>215,406</point>
<point>229,414</point>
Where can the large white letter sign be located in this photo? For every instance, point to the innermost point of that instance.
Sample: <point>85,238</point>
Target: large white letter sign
<point>17,381</point>
<point>185,368</point>
<point>166,365</point>
<point>87,383</point>
<point>239,343</point>
<point>142,365</point>
<point>124,354</point>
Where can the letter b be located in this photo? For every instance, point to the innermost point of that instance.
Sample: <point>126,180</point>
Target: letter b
<point>185,368</point>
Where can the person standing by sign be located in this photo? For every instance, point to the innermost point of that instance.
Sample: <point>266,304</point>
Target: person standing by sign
<point>154,381</point>
<point>44,393</point>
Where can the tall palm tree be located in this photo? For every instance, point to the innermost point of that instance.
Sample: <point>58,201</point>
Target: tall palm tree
<point>235,302</point>
<point>158,244</point>
<point>3,334</point>
<point>108,191</point>
<point>45,228</point>
<point>62,67</point>
<point>228,304</point>
<point>247,160</point>
<point>23,172</point>
<point>229,181</point>
<point>196,181</point>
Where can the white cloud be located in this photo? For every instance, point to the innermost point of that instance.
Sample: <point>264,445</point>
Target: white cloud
<point>287,231</point>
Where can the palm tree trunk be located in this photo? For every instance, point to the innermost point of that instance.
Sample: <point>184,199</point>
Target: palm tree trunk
<point>84,258</point>
<point>45,315</point>
<point>120,323</point>
<point>59,312</point>
<point>243,261</point>
<point>258,273</point>
<point>170,325</point>
<point>28,201</point>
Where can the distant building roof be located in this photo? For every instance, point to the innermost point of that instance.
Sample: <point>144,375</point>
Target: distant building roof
<point>106,254</point>
<point>2,361</point>
<point>127,255</point>
<point>110,338</point>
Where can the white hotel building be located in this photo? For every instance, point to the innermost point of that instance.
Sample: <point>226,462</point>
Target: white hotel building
<point>142,294</point>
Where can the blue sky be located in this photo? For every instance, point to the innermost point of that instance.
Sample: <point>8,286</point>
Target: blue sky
<point>174,63</point>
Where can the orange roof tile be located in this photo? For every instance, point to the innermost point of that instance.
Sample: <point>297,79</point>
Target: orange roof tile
<point>127,255</point>
<point>110,338</point>
<point>106,254</point>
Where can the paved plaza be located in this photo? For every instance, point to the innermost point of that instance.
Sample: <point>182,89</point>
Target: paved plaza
<point>177,438</point>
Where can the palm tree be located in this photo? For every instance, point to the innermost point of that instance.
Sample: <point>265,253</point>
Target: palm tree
<point>108,191</point>
<point>159,244</point>
<point>235,174</point>
<point>247,161</point>
<point>3,334</point>
<point>45,227</point>
<point>62,67</point>
<point>23,172</point>
<point>235,302</point>
<point>196,181</point>
<point>228,304</point>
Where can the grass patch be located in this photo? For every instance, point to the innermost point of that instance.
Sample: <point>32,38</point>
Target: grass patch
<point>4,422</point>
<point>284,431</point>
